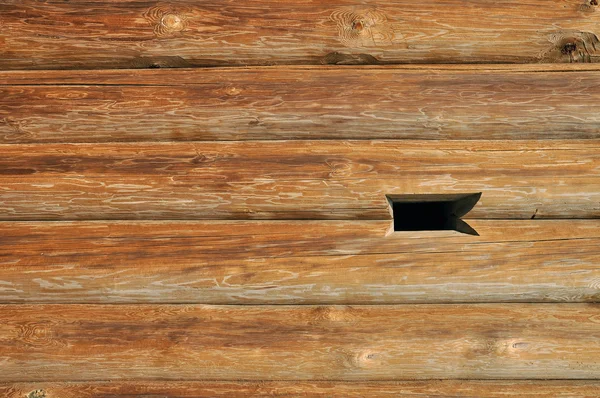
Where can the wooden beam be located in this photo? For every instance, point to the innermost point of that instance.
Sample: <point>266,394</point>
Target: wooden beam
<point>235,389</point>
<point>145,342</point>
<point>295,262</point>
<point>478,102</point>
<point>295,179</point>
<point>185,33</point>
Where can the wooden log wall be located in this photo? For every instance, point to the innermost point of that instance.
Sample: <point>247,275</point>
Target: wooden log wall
<point>193,198</point>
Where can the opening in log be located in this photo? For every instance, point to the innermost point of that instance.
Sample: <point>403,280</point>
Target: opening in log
<point>432,212</point>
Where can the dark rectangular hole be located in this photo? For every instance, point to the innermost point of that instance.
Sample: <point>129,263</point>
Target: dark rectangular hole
<point>432,212</point>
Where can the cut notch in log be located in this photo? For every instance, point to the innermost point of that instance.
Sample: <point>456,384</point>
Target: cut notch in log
<point>433,212</point>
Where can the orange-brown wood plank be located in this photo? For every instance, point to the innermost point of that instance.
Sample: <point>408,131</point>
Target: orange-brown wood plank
<point>479,102</point>
<point>135,33</point>
<point>234,389</point>
<point>166,342</point>
<point>297,262</point>
<point>295,179</point>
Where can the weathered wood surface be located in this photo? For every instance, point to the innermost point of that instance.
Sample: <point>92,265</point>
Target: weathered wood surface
<point>300,103</point>
<point>295,179</point>
<point>234,389</point>
<point>184,76</point>
<point>145,342</point>
<point>140,34</point>
<point>295,262</point>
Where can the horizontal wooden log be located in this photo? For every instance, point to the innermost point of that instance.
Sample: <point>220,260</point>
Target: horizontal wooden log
<point>145,342</point>
<point>405,389</point>
<point>183,33</point>
<point>187,76</point>
<point>290,262</point>
<point>295,179</point>
<point>300,103</point>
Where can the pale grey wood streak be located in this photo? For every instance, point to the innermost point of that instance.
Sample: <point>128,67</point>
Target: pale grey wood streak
<point>166,342</point>
<point>300,103</point>
<point>139,34</point>
<point>295,179</point>
<point>297,262</point>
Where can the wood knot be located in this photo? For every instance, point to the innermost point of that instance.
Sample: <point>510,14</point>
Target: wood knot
<point>588,6</point>
<point>228,90</point>
<point>339,167</point>
<point>11,129</point>
<point>365,27</point>
<point>359,359</point>
<point>254,122</point>
<point>37,394</point>
<point>334,315</point>
<point>35,335</point>
<point>520,346</point>
<point>571,46</point>
<point>172,22</point>
<point>166,20</point>
<point>232,91</point>
<point>357,25</point>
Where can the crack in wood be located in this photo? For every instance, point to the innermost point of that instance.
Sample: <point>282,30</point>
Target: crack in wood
<point>337,58</point>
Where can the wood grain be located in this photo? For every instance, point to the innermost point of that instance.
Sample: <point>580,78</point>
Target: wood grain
<point>406,389</point>
<point>295,179</point>
<point>146,342</point>
<point>225,231</point>
<point>300,103</point>
<point>294,262</point>
<point>185,33</point>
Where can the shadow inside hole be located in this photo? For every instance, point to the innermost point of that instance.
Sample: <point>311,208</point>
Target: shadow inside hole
<point>433,212</point>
